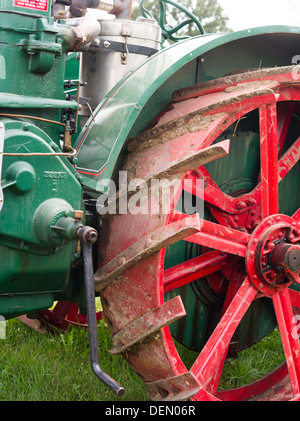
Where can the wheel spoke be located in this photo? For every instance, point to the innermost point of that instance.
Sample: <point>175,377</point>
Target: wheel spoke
<point>295,298</point>
<point>194,269</point>
<point>232,290</point>
<point>269,159</point>
<point>216,197</point>
<point>296,215</point>
<point>289,159</point>
<point>209,364</point>
<point>284,313</point>
<point>212,193</point>
<point>220,238</point>
<point>284,119</point>
<point>221,200</point>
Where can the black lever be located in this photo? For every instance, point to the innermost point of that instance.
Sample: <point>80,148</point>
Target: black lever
<point>88,236</point>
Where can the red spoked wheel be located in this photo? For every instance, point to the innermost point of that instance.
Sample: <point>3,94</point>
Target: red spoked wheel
<point>235,142</point>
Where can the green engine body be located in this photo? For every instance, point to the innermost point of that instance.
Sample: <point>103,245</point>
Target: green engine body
<point>39,188</point>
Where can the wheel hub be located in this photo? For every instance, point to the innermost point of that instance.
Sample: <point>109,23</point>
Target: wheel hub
<point>273,254</point>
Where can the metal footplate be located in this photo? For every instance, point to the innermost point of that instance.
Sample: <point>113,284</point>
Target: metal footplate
<point>147,325</point>
<point>177,388</point>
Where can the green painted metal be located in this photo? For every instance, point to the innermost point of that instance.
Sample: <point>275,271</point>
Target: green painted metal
<point>33,42</point>
<point>40,192</point>
<point>8,100</point>
<point>72,75</point>
<point>37,231</point>
<point>136,101</point>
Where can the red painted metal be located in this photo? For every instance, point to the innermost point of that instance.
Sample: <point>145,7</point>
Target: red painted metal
<point>209,364</point>
<point>269,159</point>
<point>262,388</point>
<point>141,289</point>
<point>65,315</point>
<point>284,313</point>
<point>148,245</point>
<point>194,269</point>
<point>179,387</point>
<point>261,249</point>
<point>147,325</point>
<point>222,238</point>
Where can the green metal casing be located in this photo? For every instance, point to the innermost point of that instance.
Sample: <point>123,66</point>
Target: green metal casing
<point>37,190</point>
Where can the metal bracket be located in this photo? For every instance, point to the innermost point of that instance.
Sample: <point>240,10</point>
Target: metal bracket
<point>147,325</point>
<point>122,47</point>
<point>177,388</point>
<point>2,132</point>
<point>144,248</point>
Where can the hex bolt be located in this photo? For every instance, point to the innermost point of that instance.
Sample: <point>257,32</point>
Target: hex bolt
<point>87,235</point>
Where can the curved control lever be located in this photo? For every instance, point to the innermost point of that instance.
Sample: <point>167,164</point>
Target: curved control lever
<point>88,236</point>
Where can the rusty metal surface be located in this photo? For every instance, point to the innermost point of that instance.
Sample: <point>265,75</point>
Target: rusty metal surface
<point>177,388</point>
<point>144,248</point>
<point>147,325</point>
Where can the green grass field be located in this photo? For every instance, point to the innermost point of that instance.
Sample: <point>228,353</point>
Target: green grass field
<point>56,367</point>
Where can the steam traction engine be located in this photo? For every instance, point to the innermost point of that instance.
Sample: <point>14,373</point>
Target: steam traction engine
<point>215,117</point>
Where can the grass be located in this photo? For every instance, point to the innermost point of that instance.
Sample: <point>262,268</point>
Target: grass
<point>254,363</point>
<point>56,367</point>
<point>251,364</point>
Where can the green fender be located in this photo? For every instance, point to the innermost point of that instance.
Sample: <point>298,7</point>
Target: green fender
<point>135,101</point>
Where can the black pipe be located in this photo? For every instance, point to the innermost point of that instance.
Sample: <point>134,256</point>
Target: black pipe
<point>88,236</point>
<point>65,2</point>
